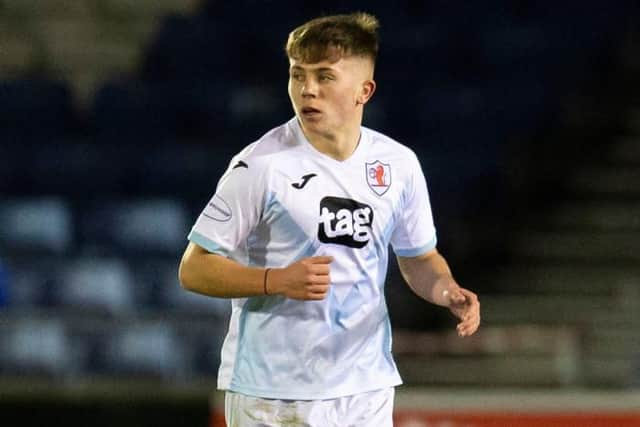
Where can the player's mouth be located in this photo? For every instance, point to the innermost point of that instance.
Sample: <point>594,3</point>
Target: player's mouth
<point>310,112</point>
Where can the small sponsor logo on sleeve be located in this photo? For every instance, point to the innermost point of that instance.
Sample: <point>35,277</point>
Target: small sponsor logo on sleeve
<point>217,209</point>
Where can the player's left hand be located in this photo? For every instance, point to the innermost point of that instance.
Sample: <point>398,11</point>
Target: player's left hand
<point>465,305</point>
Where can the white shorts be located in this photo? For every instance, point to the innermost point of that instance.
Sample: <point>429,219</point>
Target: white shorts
<point>371,409</point>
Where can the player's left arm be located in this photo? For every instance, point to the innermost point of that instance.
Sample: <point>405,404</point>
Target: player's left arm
<point>429,276</point>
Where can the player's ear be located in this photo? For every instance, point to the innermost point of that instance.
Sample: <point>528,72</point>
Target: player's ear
<point>366,92</point>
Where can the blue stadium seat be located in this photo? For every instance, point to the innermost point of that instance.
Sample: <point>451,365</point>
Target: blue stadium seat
<point>146,349</point>
<point>36,347</point>
<point>42,224</point>
<point>145,226</point>
<point>96,285</point>
<point>5,280</point>
<point>204,340</point>
<point>30,281</point>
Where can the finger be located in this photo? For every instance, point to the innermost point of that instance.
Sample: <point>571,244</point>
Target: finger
<point>458,297</point>
<point>472,304</point>
<point>466,316</point>
<point>454,296</point>
<point>468,330</point>
<point>320,259</point>
<point>472,297</point>
<point>320,279</point>
<point>311,279</point>
<point>315,297</point>
<point>471,315</point>
<point>469,322</point>
<point>464,330</point>
<point>318,295</point>
<point>469,326</point>
<point>317,288</point>
<point>320,268</point>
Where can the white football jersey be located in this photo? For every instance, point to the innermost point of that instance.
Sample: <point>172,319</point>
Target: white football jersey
<point>281,200</point>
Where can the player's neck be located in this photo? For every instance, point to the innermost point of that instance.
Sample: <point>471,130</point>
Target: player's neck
<point>337,145</point>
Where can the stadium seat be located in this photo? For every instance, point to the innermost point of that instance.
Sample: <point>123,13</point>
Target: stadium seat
<point>204,338</point>
<point>36,225</point>
<point>146,349</point>
<point>35,347</point>
<point>147,226</point>
<point>30,281</point>
<point>98,285</point>
<point>4,284</point>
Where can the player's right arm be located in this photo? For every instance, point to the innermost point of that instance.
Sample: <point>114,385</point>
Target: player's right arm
<point>212,274</point>
<point>235,209</point>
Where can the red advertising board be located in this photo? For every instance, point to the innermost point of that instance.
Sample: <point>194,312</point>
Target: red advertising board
<point>480,419</point>
<point>414,418</point>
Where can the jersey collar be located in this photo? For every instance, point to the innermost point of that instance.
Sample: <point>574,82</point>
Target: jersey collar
<point>301,139</point>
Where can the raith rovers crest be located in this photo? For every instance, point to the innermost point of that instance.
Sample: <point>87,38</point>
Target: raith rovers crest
<point>378,176</point>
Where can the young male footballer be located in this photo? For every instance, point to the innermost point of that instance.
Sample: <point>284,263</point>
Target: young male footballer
<point>297,235</point>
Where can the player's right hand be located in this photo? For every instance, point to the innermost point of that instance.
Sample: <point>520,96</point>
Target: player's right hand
<point>307,279</point>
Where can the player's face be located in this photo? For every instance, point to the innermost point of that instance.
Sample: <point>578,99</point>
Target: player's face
<point>327,97</point>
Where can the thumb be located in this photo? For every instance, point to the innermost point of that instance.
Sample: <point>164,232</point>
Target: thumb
<point>455,296</point>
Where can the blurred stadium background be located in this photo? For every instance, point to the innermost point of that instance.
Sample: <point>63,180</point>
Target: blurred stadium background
<point>117,117</point>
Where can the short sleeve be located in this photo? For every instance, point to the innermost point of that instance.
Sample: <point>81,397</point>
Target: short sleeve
<point>414,233</point>
<point>233,211</point>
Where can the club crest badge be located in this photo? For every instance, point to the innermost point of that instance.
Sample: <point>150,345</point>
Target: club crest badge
<point>378,176</point>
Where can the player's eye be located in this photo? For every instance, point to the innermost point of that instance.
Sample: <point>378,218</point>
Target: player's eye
<point>298,77</point>
<point>325,78</point>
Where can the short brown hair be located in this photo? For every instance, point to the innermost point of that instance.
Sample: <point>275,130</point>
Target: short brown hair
<point>332,37</point>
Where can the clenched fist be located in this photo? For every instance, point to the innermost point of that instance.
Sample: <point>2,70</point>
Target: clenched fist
<point>307,279</point>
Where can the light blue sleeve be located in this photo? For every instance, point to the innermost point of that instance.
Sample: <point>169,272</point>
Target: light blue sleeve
<point>414,232</point>
<point>234,210</point>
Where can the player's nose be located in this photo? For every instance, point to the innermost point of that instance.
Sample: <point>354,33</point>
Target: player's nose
<point>309,88</point>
